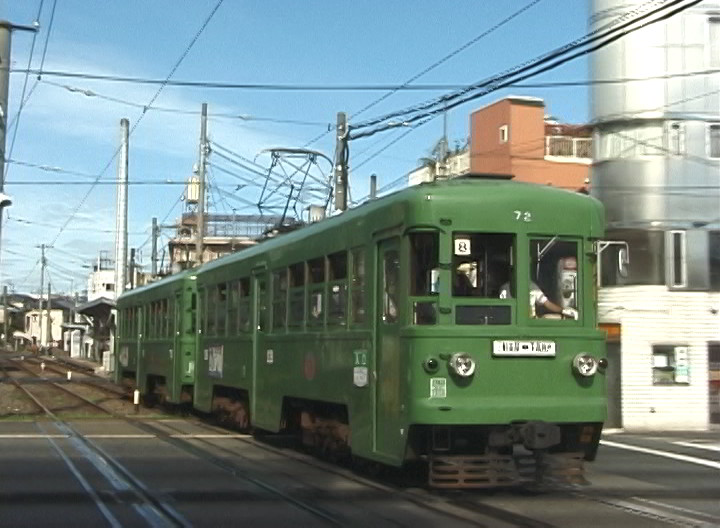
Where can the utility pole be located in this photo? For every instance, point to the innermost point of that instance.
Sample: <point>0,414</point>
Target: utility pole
<point>49,319</point>
<point>6,29</point>
<point>200,240</point>
<point>153,254</point>
<point>5,314</point>
<point>43,263</point>
<point>444,147</point>
<point>132,268</point>
<point>121,236</point>
<point>373,186</point>
<point>342,154</point>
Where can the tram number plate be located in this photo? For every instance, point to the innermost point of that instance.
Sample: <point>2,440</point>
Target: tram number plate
<point>524,348</point>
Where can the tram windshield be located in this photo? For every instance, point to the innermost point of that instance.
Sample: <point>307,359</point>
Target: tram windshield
<point>554,278</point>
<point>481,264</point>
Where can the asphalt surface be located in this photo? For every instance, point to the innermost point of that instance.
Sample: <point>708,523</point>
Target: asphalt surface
<point>179,472</point>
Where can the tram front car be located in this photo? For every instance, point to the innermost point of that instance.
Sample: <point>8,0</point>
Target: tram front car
<point>506,364</point>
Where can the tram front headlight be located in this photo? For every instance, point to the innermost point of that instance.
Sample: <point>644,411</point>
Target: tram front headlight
<point>462,364</point>
<point>585,365</point>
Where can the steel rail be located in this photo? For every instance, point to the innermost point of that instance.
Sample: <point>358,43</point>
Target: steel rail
<point>157,505</point>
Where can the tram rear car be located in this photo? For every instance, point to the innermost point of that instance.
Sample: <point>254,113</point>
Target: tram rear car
<point>451,323</point>
<point>156,339</point>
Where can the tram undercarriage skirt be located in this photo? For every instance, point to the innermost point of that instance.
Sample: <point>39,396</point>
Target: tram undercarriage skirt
<point>491,471</point>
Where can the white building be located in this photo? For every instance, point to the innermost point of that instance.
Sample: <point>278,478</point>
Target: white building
<point>36,326</point>
<point>657,170</point>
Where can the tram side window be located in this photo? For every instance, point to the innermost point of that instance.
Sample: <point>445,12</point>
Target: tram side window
<point>202,311</point>
<point>262,323</point>
<point>191,311</point>
<point>337,283</point>
<point>169,311</point>
<point>357,285</point>
<point>160,318</point>
<point>391,278</point>
<point>424,275</point>
<point>481,263</point>
<point>221,309</point>
<point>280,291</point>
<point>244,305</point>
<point>212,306</point>
<point>152,320</point>
<point>233,298</point>
<point>296,315</point>
<point>316,291</point>
<point>554,278</point>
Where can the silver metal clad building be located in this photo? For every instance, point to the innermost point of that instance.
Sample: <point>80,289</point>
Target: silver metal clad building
<point>656,168</point>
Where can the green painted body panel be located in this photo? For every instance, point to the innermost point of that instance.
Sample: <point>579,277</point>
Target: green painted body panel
<point>319,364</point>
<point>172,357</point>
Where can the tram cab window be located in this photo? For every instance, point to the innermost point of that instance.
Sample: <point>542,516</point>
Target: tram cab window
<point>424,275</point>
<point>554,278</point>
<point>481,264</point>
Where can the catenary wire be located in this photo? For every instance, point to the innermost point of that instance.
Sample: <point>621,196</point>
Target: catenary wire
<point>526,70</point>
<point>144,112</point>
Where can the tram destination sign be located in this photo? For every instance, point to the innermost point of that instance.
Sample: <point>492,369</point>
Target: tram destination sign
<point>524,348</point>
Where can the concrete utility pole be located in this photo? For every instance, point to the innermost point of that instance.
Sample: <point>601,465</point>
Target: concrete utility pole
<point>373,186</point>
<point>341,162</point>
<point>153,254</point>
<point>6,29</point>
<point>121,236</point>
<point>200,240</point>
<point>49,319</point>
<point>5,314</point>
<point>132,268</point>
<point>43,263</point>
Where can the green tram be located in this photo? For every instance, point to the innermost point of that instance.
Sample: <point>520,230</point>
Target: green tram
<point>451,324</point>
<point>156,342</point>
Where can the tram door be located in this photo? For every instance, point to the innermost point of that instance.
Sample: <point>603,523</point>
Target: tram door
<point>260,353</point>
<point>388,377</point>
<point>140,360</point>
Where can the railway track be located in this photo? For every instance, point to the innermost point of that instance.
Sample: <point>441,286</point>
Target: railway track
<point>57,394</point>
<point>274,478</point>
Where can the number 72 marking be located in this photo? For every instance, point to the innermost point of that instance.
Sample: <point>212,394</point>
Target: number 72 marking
<point>523,216</point>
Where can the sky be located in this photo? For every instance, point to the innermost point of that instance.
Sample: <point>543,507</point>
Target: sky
<point>67,134</point>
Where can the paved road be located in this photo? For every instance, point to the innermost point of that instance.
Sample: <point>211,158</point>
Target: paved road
<point>183,473</point>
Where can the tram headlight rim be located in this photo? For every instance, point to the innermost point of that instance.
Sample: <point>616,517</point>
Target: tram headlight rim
<point>462,364</point>
<point>585,365</point>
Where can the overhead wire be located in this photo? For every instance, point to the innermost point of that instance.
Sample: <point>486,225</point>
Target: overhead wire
<point>23,99</point>
<point>144,112</point>
<point>407,84</point>
<point>214,115</point>
<point>526,70</point>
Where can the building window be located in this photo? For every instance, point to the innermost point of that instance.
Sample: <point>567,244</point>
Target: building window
<point>714,140</point>
<point>714,371</point>
<point>714,42</point>
<point>670,365</point>
<point>714,260</point>
<point>504,134</point>
<point>677,264</point>
<point>676,139</point>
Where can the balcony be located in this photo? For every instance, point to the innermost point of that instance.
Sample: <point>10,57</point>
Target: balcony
<point>568,147</point>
